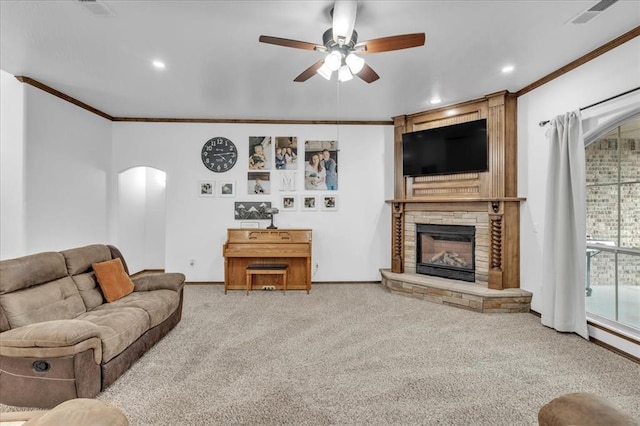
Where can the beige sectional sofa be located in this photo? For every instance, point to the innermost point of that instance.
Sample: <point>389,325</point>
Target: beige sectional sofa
<point>60,339</point>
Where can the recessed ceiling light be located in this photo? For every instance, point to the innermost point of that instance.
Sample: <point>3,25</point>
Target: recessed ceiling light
<point>507,69</point>
<point>159,65</point>
<point>435,101</point>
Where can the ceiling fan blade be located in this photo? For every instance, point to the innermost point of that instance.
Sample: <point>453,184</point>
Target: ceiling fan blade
<point>344,19</point>
<point>309,72</point>
<point>386,44</point>
<point>289,43</point>
<point>368,74</point>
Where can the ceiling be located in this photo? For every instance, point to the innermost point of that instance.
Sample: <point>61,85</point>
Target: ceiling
<point>216,68</point>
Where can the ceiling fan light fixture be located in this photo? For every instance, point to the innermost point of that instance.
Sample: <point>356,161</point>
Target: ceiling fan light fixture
<point>333,60</point>
<point>344,74</point>
<point>344,19</point>
<point>325,72</point>
<point>355,63</point>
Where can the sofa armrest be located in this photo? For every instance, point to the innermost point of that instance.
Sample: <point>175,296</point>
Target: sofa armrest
<point>168,281</point>
<point>49,334</point>
<point>52,339</point>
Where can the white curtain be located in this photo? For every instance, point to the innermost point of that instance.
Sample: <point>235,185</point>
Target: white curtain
<point>564,244</point>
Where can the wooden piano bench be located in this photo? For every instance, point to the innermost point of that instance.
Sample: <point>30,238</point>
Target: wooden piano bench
<point>267,269</point>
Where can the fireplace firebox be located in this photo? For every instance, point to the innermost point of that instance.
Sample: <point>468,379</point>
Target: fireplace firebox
<point>446,251</point>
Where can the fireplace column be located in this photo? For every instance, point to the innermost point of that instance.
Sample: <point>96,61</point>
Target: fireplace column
<point>504,258</point>
<point>397,238</point>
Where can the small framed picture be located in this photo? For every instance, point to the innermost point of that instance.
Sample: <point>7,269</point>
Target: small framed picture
<point>309,202</point>
<point>258,183</point>
<point>207,188</point>
<point>250,225</point>
<point>288,203</point>
<point>329,203</point>
<point>227,189</point>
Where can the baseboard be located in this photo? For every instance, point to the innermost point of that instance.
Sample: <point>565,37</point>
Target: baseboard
<point>615,350</point>
<point>203,283</point>
<point>606,345</point>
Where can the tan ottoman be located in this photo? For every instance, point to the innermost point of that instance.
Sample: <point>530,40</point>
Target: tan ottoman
<point>583,409</point>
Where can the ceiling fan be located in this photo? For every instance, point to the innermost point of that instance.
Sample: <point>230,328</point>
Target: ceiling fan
<point>340,43</point>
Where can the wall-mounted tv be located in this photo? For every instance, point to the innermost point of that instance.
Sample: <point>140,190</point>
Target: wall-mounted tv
<point>460,148</point>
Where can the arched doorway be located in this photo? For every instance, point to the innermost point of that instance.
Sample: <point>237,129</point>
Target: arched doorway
<point>141,217</point>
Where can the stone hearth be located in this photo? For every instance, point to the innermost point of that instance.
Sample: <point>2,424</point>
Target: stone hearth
<point>460,294</point>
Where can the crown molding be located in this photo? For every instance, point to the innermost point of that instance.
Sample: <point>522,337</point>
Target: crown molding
<point>618,41</point>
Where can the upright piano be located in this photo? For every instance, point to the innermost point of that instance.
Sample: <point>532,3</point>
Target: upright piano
<point>267,246</point>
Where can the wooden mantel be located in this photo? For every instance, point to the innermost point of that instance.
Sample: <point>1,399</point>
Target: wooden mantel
<point>493,191</point>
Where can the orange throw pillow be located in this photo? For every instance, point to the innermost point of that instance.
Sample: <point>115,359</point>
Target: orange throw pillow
<point>113,280</point>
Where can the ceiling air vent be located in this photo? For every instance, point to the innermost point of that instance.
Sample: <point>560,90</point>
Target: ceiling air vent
<point>592,12</point>
<point>96,7</point>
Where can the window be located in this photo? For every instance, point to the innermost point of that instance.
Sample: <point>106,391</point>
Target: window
<point>613,226</point>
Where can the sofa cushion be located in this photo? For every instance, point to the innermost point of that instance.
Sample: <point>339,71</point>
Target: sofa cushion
<point>79,260</point>
<point>118,328</point>
<point>89,289</point>
<point>54,300</point>
<point>158,304</point>
<point>29,271</point>
<point>113,280</point>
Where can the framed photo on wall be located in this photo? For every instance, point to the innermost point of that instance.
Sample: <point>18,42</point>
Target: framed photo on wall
<point>309,203</point>
<point>329,203</point>
<point>321,165</point>
<point>207,188</point>
<point>258,183</point>
<point>289,203</point>
<point>227,189</point>
<point>251,210</point>
<point>286,157</point>
<point>259,152</point>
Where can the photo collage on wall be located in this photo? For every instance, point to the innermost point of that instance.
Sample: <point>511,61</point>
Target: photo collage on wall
<point>282,165</point>
<point>274,165</point>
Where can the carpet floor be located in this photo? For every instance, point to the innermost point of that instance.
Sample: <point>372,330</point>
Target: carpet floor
<point>354,354</point>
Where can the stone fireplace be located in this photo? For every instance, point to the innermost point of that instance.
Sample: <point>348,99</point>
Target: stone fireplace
<point>478,266</point>
<point>446,251</point>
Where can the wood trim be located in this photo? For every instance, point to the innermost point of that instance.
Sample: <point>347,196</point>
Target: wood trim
<point>455,200</point>
<point>606,345</point>
<point>629,35</point>
<point>64,97</point>
<point>613,332</point>
<point>252,121</point>
<point>614,350</point>
<point>35,83</point>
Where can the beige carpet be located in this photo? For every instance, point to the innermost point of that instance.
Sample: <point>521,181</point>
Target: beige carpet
<point>356,354</point>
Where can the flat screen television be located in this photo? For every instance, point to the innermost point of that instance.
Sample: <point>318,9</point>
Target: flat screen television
<point>459,148</point>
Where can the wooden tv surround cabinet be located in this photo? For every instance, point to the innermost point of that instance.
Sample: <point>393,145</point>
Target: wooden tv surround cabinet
<point>290,247</point>
<point>488,200</point>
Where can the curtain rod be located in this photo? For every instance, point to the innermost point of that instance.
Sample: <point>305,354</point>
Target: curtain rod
<point>545,122</point>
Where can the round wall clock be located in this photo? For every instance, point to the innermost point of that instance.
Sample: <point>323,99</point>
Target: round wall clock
<point>219,154</point>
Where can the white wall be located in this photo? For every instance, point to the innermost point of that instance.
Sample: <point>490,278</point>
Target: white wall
<point>141,218</point>
<point>13,242</point>
<point>131,216</point>
<point>155,219</point>
<point>350,244</point>
<point>608,75</point>
<point>67,162</point>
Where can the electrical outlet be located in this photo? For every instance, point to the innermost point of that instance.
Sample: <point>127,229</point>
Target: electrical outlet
<point>268,287</point>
